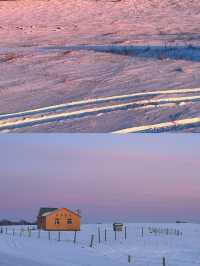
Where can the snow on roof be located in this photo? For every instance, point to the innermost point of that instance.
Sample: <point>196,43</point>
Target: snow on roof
<point>45,210</point>
<point>46,213</point>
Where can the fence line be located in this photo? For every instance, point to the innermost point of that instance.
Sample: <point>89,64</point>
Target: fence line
<point>103,234</point>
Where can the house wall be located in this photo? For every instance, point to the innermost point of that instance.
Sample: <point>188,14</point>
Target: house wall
<point>62,215</point>
<point>41,223</point>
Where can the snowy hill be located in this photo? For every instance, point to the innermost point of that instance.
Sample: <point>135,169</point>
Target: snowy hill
<point>57,52</point>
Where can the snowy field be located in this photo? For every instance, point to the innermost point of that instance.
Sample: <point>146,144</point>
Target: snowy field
<point>74,66</point>
<point>145,244</point>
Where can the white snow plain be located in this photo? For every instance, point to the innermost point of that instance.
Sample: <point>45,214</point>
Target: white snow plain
<point>182,249</point>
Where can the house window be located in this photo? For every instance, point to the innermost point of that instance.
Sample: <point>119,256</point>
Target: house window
<point>69,221</point>
<point>57,221</point>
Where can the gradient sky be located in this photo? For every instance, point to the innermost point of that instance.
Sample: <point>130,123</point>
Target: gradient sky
<point>124,178</point>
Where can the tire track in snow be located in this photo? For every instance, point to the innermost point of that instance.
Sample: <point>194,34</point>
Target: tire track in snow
<point>31,121</point>
<point>161,127</point>
<point>96,101</point>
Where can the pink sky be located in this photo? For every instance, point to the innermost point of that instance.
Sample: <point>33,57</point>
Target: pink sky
<point>133,178</point>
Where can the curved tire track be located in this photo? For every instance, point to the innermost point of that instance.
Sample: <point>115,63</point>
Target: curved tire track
<point>31,121</point>
<point>161,127</point>
<point>96,101</point>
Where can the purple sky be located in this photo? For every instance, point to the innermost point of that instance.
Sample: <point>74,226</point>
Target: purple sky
<point>125,178</point>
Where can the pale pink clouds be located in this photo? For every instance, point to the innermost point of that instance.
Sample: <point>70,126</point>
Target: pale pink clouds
<point>133,178</point>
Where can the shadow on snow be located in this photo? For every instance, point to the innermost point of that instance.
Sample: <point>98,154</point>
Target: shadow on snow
<point>189,53</point>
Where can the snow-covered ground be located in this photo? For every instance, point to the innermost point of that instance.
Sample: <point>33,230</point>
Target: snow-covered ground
<point>178,243</point>
<point>59,52</point>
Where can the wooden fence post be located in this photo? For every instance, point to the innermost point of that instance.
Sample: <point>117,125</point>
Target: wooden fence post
<point>105,235</point>
<point>49,235</point>
<point>125,233</point>
<point>164,261</point>
<point>129,258</point>
<point>59,236</point>
<point>39,233</point>
<point>75,236</point>
<point>115,235</point>
<point>91,241</point>
<point>1,230</point>
<point>99,235</point>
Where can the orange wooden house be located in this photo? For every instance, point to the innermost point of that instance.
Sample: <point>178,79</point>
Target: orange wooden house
<point>61,219</point>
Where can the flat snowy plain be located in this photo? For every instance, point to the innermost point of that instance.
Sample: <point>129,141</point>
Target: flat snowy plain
<point>60,52</point>
<point>146,250</point>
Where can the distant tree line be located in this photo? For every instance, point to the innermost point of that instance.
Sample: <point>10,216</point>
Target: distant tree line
<point>21,222</point>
